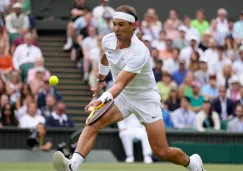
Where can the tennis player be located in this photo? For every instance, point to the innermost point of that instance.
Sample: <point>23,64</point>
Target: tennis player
<point>134,91</point>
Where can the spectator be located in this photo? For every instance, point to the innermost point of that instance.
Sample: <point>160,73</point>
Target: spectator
<point>98,12</point>
<point>147,39</point>
<point>49,107</point>
<point>210,90</point>
<point>16,22</point>
<point>223,105</point>
<point>24,92</point>
<point>240,101</point>
<point>171,32</point>
<point>25,56</point>
<point>238,65</point>
<point>4,41</point>
<point>39,63</point>
<point>181,41</point>
<point>172,64</point>
<point>160,43</point>
<point>236,125</point>
<point>48,89</point>
<point>4,4</point>
<point>43,142</point>
<point>6,64</point>
<point>180,74</point>
<point>211,54</point>
<point>129,130</point>
<point>213,28</point>
<point>196,100</point>
<point>231,47</point>
<point>207,118</point>
<point>31,119</point>
<point>184,117</point>
<point>4,100</point>
<point>238,28</point>
<point>154,55</point>
<point>191,31</point>
<point>78,9</point>
<point>173,100</point>
<point>105,24</point>
<point>194,62</point>
<point>185,88</point>
<point>165,85</point>
<point>58,117</point>
<point>222,22</point>
<point>233,91</point>
<point>224,76</point>
<point>151,25</point>
<point>206,37</point>
<point>173,18</point>
<point>202,75</point>
<point>199,23</point>
<point>166,116</point>
<point>8,117</point>
<point>2,87</point>
<point>158,70</point>
<point>37,83</point>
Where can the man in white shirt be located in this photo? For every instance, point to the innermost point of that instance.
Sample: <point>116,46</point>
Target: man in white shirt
<point>238,65</point>
<point>236,125</point>
<point>99,10</point>
<point>191,31</point>
<point>25,56</point>
<point>211,54</point>
<point>184,117</point>
<point>130,130</point>
<point>4,4</point>
<point>31,119</point>
<point>134,91</point>
<point>222,22</point>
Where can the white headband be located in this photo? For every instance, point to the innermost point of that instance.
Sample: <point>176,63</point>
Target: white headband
<point>124,16</point>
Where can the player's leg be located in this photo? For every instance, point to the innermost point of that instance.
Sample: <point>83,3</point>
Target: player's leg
<point>127,142</point>
<point>159,145</point>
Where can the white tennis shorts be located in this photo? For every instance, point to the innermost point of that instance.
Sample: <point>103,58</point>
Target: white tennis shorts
<point>146,108</point>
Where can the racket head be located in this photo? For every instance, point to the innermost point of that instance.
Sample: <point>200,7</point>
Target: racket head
<point>99,113</point>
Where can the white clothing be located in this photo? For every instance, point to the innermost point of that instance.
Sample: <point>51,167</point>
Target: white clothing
<point>28,121</point>
<point>3,3</point>
<point>153,31</point>
<point>186,53</point>
<point>217,66</point>
<point>183,119</point>
<point>90,43</point>
<point>14,22</point>
<point>95,55</point>
<point>211,56</point>
<point>99,10</point>
<point>192,32</point>
<point>222,26</point>
<point>201,116</point>
<point>171,66</point>
<point>131,129</point>
<point>238,67</point>
<point>25,54</point>
<point>160,45</point>
<point>235,125</point>
<point>60,118</point>
<point>22,112</point>
<point>14,96</point>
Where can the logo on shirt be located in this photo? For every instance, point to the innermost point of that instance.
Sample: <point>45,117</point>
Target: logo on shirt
<point>109,52</point>
<point>123,58</point>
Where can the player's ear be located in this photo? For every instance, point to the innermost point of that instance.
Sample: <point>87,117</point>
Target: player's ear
<point>134,25</point>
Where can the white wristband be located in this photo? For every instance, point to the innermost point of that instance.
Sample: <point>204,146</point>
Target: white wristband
<point>106,96</point>
<point>103,69</point>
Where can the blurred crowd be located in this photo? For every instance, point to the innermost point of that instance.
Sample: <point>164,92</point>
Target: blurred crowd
<point>26,97</point>
<point>198,64</point>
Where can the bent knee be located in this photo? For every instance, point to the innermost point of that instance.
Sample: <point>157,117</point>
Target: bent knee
<point>162,153</point>
<point>93,128</point>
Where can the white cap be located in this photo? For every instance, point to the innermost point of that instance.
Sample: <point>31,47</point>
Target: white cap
<point>207,32</point>
<point>193,37</point>
<point>234,79</point>
<point>222,11</point>
<point>17,5</point>
<point>241,48</point>
<point>147,37</point>
<point>203,59</point>
<point>182,28</point>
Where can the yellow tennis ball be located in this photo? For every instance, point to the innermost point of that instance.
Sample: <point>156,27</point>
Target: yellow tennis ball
<point>53,80</point>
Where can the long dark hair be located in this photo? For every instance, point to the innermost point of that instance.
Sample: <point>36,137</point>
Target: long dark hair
<point>22,96</point>
<point>13,120</point>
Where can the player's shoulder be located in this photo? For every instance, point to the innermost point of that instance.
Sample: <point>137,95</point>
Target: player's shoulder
<point>109,37</point>
<point>138,46</point>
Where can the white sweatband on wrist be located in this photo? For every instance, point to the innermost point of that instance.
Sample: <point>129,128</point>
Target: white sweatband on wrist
<point>124,16</point>
<point>103,69</point>
<point>106,96</point>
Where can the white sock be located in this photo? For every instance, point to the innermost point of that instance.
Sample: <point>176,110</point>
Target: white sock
<point>191,164</point>
<point>69,39</point>
<point>76,161</point>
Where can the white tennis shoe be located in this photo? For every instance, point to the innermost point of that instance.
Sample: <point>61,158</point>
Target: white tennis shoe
<point>60,162</point>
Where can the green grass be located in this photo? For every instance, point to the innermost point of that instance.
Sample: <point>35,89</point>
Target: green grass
<point>114,167</point>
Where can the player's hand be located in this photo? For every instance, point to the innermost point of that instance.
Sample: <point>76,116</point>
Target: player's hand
<point>100,86</point>
<point>92,104</point>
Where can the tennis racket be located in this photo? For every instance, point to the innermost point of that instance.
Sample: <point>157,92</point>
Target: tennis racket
<point>98,112</point>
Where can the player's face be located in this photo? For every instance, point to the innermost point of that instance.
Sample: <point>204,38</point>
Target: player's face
<point>122,29</point>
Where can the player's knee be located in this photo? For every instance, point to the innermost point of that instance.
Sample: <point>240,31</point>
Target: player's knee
<point>162,153</point>
<point>94,129</point>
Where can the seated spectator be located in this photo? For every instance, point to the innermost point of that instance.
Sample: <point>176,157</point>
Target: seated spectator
<point>39,63</point>
<point>44,143</point>
<point>78,9</point>
<point>165,85</point>
<point>204,44</point>
<point>173,100</point>
<point>171,32</point>
<point>223,105</point>
<point>48,89</point>
<point>166,116</point>
<point>211,54</point>
<point>194,62</point>
<point>199,23</point>
<point>13,86</point>
<point>4,100</point>
<point>172,64</point>
<point>196,100</point>
<point>105,24</point>
<point>20,40</point>
<point>184,117</point>
<point>235,125</point>
<point>6,64</point>
<point>207,118</point>
<point>58,117</point>
<point>8,117</point>
<point>151,25</point>
<point>233,92</point>
<point>240,101</point>
<point>24,92</point>
<point>181,42</point>
<point>238,64</point>
<point>4,4</point>
<point>16,22</point>
<point>158,70</point>
<point>160,43</point>
<point>191,31</point>
<point>231,47</point>
<point>210,90</point>
<point>31,119</point>
<point>179,75</point>
<point>98,11</point>
<point>37,83</point>
<point>4,42</point>
<point>185,88</point>
<point>167,52</point>
<point>202,75</point>
<point>224,76</point>
<point>222,21</point>
<point>173,17</point>
<point>131,129</point>
<point>25,56</point>
<point>147,39</point>
<point>238,28</point>
<point>49,107</point>
<point>2,87</point>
